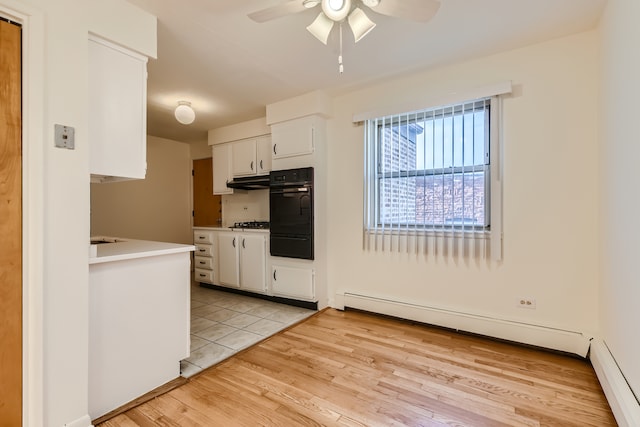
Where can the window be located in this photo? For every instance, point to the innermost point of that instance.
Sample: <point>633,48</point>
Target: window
<point>429,172</point>
<point>432,167</point>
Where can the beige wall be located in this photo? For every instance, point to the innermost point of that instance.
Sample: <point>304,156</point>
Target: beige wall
<point>619,204</point>
<point>156,208</point>
<point>550,199</point>
<point>200,150</point>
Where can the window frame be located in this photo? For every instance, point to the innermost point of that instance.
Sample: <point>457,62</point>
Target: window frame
<point>377,127</point>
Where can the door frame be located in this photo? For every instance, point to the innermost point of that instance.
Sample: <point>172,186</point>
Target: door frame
<point>32,21</point>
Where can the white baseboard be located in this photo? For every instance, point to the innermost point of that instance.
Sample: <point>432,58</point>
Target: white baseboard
<point>84,421</point>
<point>623,403</point>
<point>541,336</point>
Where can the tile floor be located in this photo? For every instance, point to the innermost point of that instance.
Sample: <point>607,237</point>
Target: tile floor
<point>224,323</point>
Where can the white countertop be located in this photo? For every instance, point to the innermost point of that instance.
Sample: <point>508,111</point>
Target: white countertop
<point>124,249</point>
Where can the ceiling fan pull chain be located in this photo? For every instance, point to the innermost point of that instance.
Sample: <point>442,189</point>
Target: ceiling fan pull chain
<point>340,66</point>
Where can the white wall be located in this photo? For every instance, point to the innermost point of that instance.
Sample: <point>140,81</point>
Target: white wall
<point>156,208</point>
<point>550,192</point>
<point>619,204</point>
<point>56,184</point>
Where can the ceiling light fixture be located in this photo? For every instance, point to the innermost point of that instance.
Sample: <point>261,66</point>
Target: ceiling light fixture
<point>360,24</point>
<point>351,11</point>
<point>184,113</point>
<point>337,11</point>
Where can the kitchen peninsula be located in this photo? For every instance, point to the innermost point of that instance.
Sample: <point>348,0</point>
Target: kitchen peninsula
<point>139,316</point>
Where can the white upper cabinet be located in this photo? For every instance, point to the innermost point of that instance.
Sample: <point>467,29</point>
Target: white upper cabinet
<point>292,138</point>
<point>251,156</point>
<point>117,112</point>
<point>221,155</point>
<point>244,157</point>
<point>263,150</point>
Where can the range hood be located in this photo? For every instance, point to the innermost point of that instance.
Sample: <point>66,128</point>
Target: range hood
<point>258,182</point>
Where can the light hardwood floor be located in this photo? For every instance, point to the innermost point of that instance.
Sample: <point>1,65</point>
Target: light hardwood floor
<point>356,369</point>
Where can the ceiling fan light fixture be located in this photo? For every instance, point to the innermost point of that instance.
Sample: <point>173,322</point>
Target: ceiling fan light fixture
<point>371,3</point>
<point>184,113</point>
<point>321,27</point>
<point>360,24</point>
<point>336,10</point>
<point>310,3</point>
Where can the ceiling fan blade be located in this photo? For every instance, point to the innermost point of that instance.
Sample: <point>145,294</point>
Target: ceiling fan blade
<point>278,11</point>
<point>414,10</point>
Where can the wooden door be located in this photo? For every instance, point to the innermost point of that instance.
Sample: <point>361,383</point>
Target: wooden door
<point>207,208</point>
<point>10,225</point>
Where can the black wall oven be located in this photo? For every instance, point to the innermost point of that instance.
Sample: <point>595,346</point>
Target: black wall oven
<point>291,213</point>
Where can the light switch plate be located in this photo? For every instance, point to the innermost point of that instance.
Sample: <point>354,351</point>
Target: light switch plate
<point>64,137</point>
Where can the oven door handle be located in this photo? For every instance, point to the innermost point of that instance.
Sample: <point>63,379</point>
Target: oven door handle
<point>290,190</point>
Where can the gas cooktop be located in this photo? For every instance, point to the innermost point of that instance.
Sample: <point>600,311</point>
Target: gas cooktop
<point>255,225</point>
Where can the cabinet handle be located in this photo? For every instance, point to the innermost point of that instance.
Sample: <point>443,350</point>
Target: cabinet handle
<point>261,167</point>
<point>251,164</point>
<point>203,275</point>
<point>202,262</point>
<point>234,242</point>
<point>274,149</point>
<point>202,250</point>
<point>243,246</point>
<point>274,275</point>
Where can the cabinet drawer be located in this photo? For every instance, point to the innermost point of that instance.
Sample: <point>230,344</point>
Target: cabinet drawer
<point>203,237</point>
<point>203,275</point>
<point>205,263</point>
<point>204,250</point>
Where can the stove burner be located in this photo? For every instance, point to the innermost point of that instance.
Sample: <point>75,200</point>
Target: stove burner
<point>259,225</point>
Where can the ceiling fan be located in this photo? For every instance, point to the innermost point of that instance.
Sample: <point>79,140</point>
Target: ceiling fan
<point>340,10</point>
<point>337,10</point>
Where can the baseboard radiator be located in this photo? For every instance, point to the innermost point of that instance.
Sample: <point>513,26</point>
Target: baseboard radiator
<point>540,336</point>
<point>623,402</point>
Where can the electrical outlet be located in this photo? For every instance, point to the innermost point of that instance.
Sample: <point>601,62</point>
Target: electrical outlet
<point>524,302</point>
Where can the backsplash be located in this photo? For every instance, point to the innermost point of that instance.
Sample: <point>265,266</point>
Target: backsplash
<point>245,206</point>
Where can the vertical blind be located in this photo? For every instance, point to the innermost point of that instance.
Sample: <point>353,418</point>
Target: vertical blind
<point>432,181</point>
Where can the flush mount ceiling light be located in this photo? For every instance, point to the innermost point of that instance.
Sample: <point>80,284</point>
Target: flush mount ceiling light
<point>184,113</point>
<point>348,10</point>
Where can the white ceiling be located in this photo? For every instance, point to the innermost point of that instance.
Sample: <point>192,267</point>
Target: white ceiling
<point>230,68</point>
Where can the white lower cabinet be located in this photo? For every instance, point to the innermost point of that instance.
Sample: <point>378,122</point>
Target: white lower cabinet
<point>252,262</point>
<point>242,259</point>
<point>229,257</point>
<point>292,282</point>
<point>204,258</point>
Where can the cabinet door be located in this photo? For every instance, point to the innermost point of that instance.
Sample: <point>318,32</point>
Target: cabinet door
<point>228,257</point>
<point>293,138</point>
<point>252,262</point>
<point>263,149</point>
<point>244,158</point>
<point>221,168</point>
<point>292,282</point>
<point>117,112</point>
